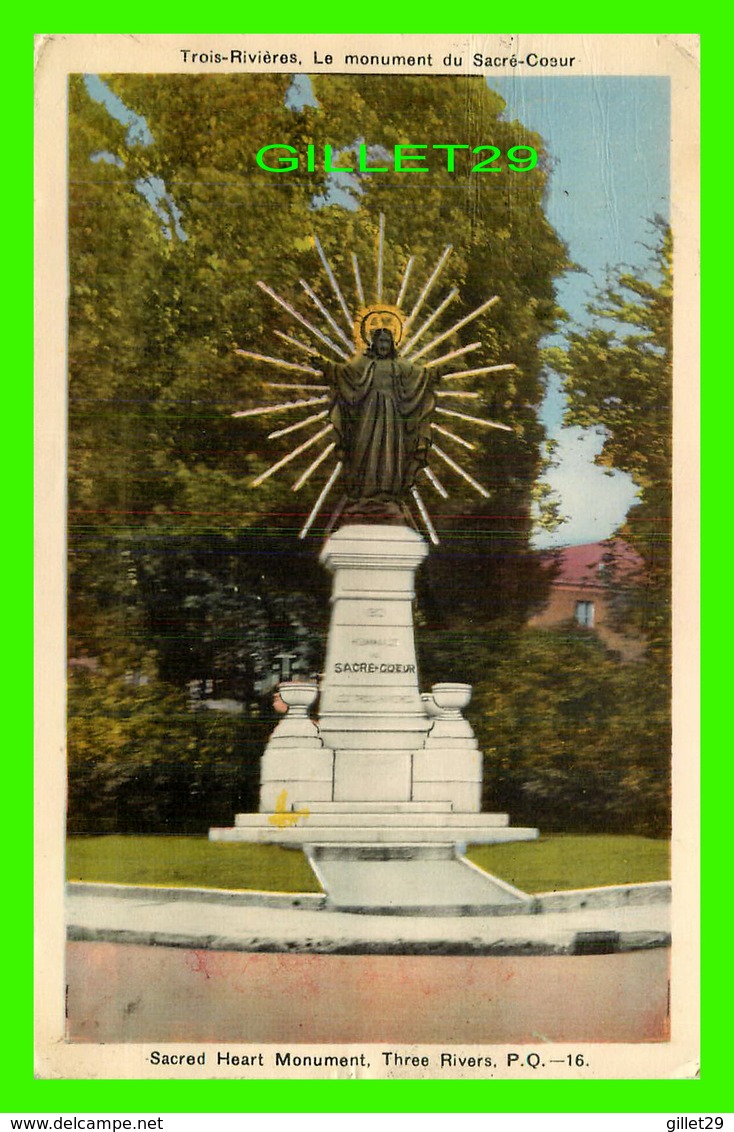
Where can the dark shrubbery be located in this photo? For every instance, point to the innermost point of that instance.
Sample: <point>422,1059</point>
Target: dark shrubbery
<point>140,761</point>
<point>576,741</point>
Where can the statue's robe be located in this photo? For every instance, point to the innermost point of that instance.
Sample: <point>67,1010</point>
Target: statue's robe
<point>381,416</point>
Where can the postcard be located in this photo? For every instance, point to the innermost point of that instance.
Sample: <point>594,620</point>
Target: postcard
<point>367,388</point>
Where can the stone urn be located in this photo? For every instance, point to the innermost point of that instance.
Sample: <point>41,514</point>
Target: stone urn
<point>430,706</point>
<point>449,723</point>
<point>295,728</point>
<point>296,769</point>
<point>298,697</point>
<point>448,768</point>
<point>451,699</point>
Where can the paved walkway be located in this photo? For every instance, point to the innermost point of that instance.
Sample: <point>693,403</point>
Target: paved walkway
<point>597,921</point>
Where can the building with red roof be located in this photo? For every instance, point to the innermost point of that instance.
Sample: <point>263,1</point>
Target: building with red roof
<point>584,581</point>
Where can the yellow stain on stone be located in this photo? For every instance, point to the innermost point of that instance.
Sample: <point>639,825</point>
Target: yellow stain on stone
<point>284,818</point>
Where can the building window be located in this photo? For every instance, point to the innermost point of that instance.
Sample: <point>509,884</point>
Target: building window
<point>585,614</point>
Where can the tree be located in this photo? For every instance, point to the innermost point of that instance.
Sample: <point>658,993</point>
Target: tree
<point>619,378</point>
<point>175,562</point>
<point>154,455</point>
<point>193,298</point>
<point>574,740</point>
<point>141,761</point>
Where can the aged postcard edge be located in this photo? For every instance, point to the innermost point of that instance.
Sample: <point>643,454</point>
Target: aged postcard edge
<point>59,56</point>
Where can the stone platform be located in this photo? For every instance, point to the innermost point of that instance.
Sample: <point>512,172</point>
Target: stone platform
<point>406,860</point>
<point>359,826</point>
<point>592,921</point>
<point>383,789</point>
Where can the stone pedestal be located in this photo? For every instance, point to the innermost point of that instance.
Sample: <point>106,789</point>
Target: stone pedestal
<point>296,763</point>
<point>371,712</point>
<point>449,766</point>
<point>369,690</point>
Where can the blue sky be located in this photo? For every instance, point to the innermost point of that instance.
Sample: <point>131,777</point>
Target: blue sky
<point>608,139</point>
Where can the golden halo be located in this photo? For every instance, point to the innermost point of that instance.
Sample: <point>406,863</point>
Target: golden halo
<point>375,318</point>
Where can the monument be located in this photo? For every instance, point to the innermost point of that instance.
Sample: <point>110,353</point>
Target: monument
<point>382,790</point>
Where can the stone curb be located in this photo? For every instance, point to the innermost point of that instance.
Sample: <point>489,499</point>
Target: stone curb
<point>573,943</point>
<point>609,896</point>
<point>612,896</point>
<point>152,894</point>
<point>523,935</point>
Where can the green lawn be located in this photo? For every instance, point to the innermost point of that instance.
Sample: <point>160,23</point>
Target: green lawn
<point>553,862</point>
<point>565,861</point>
<point>188,862</point>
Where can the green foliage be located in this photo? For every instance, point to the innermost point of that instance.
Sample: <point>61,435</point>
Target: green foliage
<point>140,761</point>
<point>158,470</point>
<point>573,739</point>
<point>175,563</point>
<point>220,609</point>
<point>619,375</point>
<point>199,296</point>
<point>621,378</point>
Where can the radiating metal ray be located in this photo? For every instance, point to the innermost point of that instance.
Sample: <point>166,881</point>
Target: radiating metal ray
<point>460,471</point>
<point>320,501</point>
<point>454,354</point>
<point>425,516</point>
<point>283,407</point>
<point>456,393</point>
<point>320,306</point>
<point>426,289</point>
<point>430,320</point>
<point>435,482</point>
<point>336,515</point>
<point>295,385</point>
<point>457,326</point>
<point>312,467</point>
<point>299,424</point>
<point>452,436</point>
<point>474,420</point>
<point>296,342</point>
<point>481,369</point>
<point>357,280</point>
<point>280,362</point>
<point>291,455</point>
<point>404,283</point>
<point>332,280</point>
<point>380,248</point>
<point>303,321</point>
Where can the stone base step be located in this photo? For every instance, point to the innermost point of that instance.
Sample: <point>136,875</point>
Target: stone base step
<point>358,819</point>
<point>373,807</point>
<point>275,830</point>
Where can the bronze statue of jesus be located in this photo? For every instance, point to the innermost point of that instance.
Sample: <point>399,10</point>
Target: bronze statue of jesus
<point>381,415</point>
